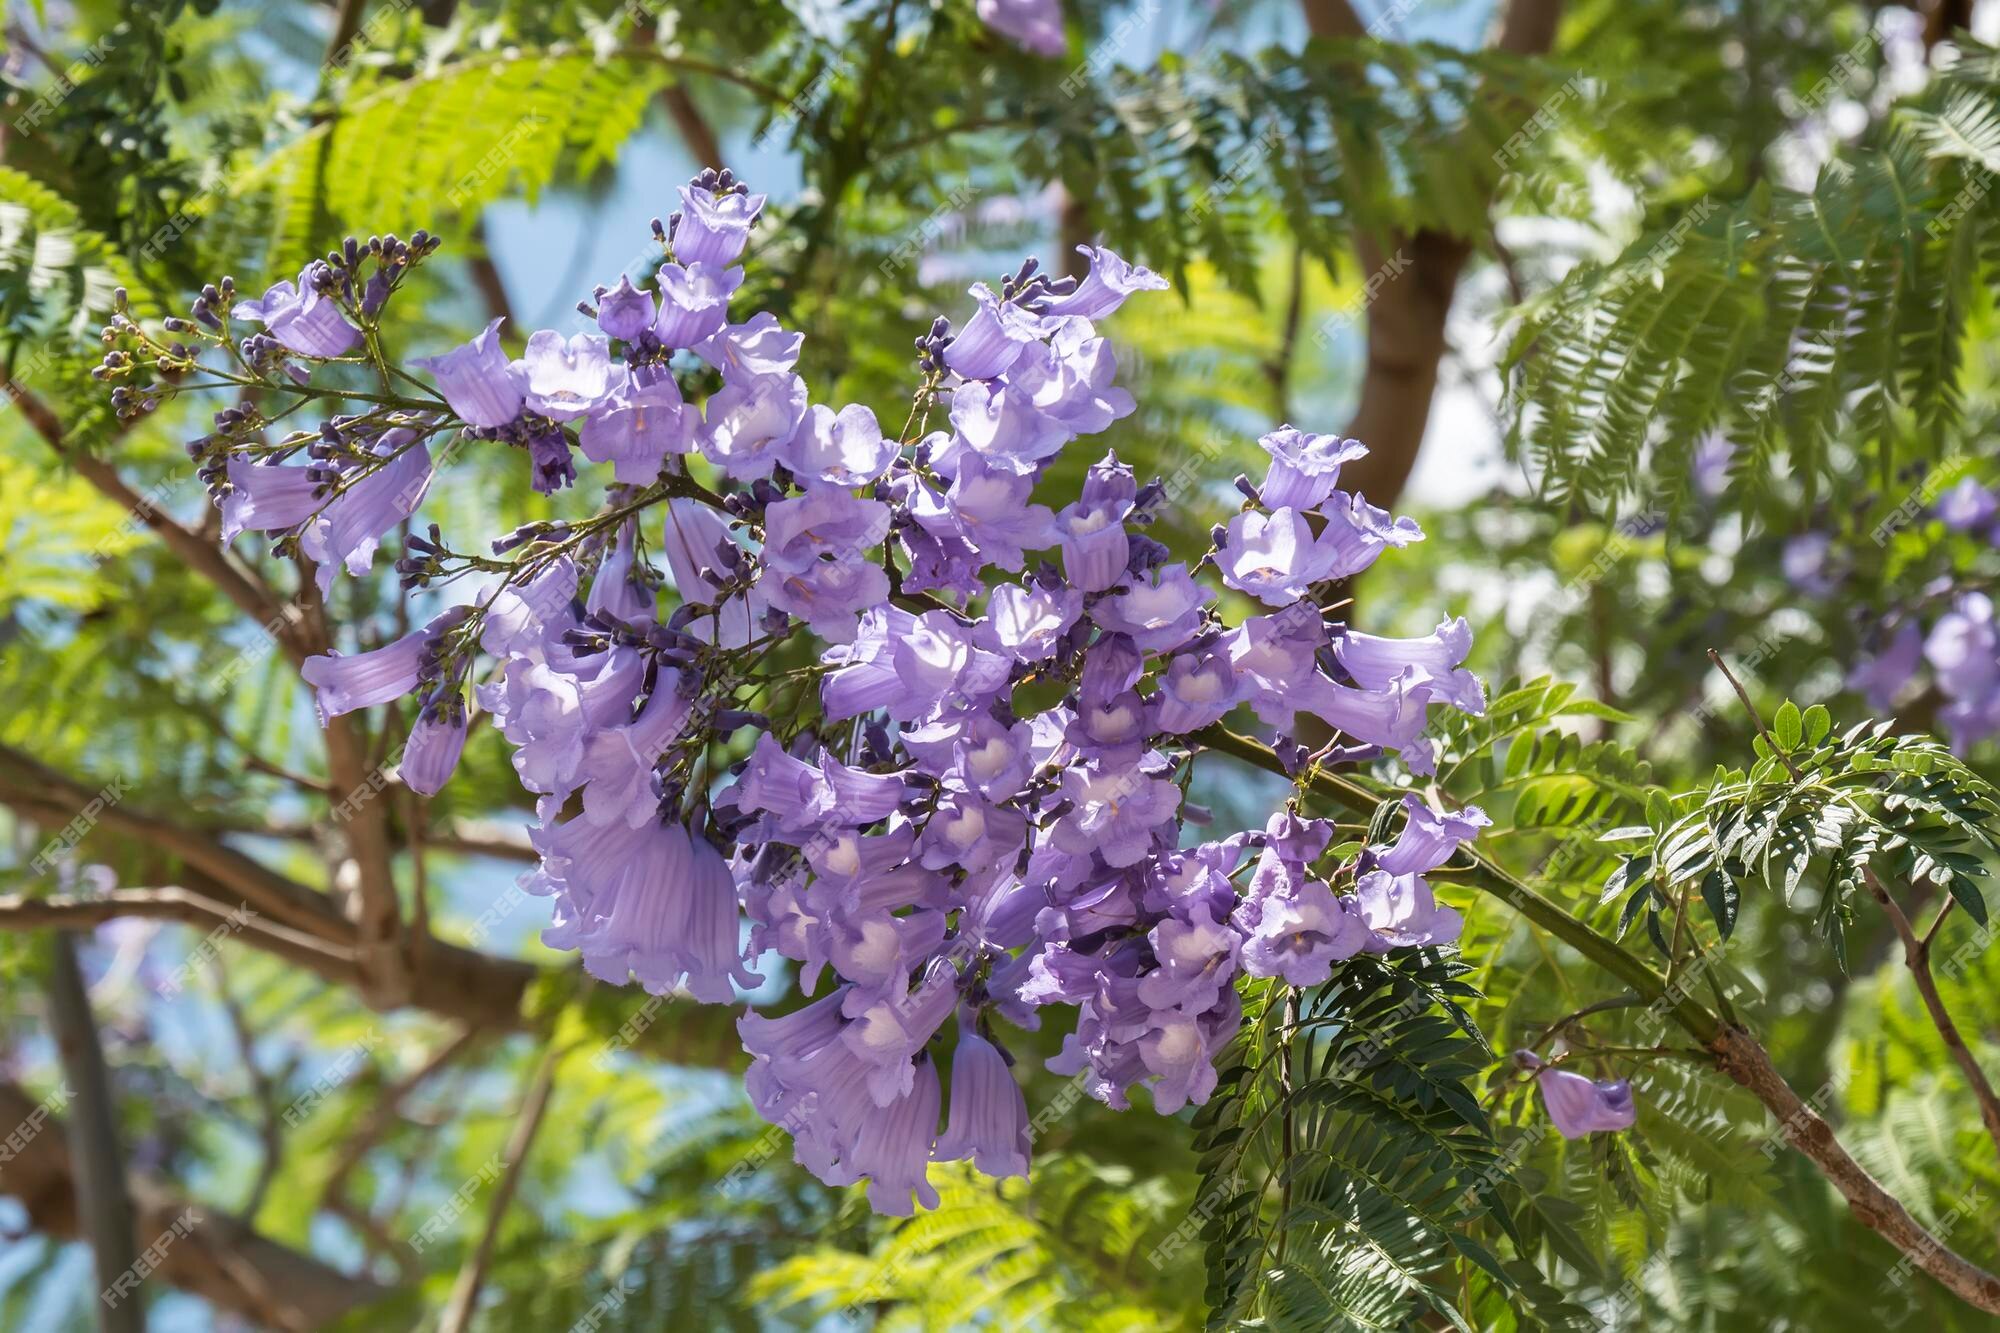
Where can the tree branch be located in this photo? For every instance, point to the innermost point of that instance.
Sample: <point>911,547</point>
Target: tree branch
<point>174,903</point>
<point>213,1256</point>
<point>102,1199</point>
<point>696,132</point>
<point>465,1293</point>
<point>301,636</point>
<point>1917,957</point>
<point>1737,1053</point>
<point>283,899</point>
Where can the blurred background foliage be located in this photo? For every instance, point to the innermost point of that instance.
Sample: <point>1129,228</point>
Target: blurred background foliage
<point>1707,189</point>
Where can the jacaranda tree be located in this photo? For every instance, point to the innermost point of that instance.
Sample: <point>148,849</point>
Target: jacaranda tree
<point>893,765</point>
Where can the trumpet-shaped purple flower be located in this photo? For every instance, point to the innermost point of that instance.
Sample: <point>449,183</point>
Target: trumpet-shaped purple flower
<point>347,681</point>
<point>669,919</point>
<point>1578,1106</point>
<point>989,508</point>
<point>298,315</point>
<point>566,377</point>
<point>431,753</point>
<point>892,1149</point>
<point>844,448</point>
<point>1393,718</point>
<point>987,1117</point>
<point>1429,838</point>
<point>1105,287</point>
<point>826,523</point>
<point>1161,610</point>
<point>625,312</point>
<point>483,387</point>
<point>1069,380</point>
<point>1180,1048</point>
<point>353,522</point>
<point>713,228</point>
<point>1304,467</point>
<point>1377,663</point>
<point>994,338</point>
<point>938,660</point>
<point>754,350</point>
<point>698,548</point>
<point>971,833</point>
<point>1034,25</point>
<point>267,497</point>
<point>636,428</point>
<point>1197,689</point>
<point>1299,935</point>
<point>827,594</point>
<point>804,799</point>
<point>1274,557</point>
<point>1357,533</point>
<point>1401,912</point>
<point>1027,623</point>
<point>1115,812</point>
<point>1095,545</point>
<point>750,422</point>
<point>1198,959</point>
<point>1001,423</point>
<point>864,676</point>
<point>694,302</point>
<point>523,617</point>
<point>616,771</point>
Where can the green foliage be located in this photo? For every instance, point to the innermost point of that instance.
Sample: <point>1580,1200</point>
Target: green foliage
<point>1071,1245</point>
<point>1802,325</point>
<point>395,154</point>
<point>1834,812</point>
<point>1346,1167</point>
<point>1193,160</point>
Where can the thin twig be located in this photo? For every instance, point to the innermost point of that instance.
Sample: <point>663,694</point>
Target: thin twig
<point>271,1130</point>
<point>1756,721</point>
<point>465,1294</point>
<point>1615,1002</point>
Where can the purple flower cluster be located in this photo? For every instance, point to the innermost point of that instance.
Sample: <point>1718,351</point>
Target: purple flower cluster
<point>921,842</point>
<point>1962,649</point>
<point>1961,646</point>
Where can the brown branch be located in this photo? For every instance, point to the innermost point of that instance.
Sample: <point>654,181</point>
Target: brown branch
<point>212,1256</point>
<point>1332,18</point>
<point>346,23</point>
<point>174,903</point>
<point>696,132</point>
<point>283,899</point>
<point>385,972</point>
<point>103,1201</point>
<point>1917,957</point>
<point>1744,1060</point>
